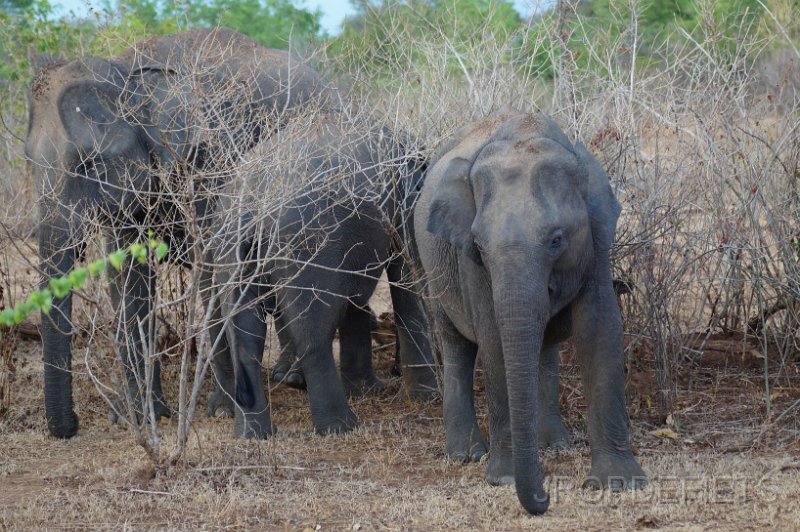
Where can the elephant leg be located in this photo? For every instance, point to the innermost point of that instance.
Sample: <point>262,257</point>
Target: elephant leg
<point>500,468</point>
<point>463,438</point>
<point>597,329</point>
<point>355,354</point>
<point>221,403</point>
<point>311,324</point>
<point>552,433</point>
<point>287,368</point>
<point>58,253</point>
<point>132,291</point>
<point>247,334</point>
<point>413,347</point>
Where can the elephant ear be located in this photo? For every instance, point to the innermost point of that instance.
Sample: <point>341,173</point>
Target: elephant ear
<point>453,208</point>
<point>604,209</point>
<point>164,104</point>
<point>92,122</point>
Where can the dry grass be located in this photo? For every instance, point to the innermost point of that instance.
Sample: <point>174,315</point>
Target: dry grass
<point>702,151</point>
<point>391,473</point>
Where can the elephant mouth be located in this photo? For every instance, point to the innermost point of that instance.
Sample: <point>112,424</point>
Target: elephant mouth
<point>557,302</point>
<point>559,298</point>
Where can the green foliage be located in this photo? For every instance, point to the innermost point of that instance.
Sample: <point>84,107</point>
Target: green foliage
<point>272,23</point>
<point>60,287</point>
<point>15,6</point>
<point>388,34</point>
<point>26,27</point>
<point>31,26</point>
<point>605,27</point>
<point>383,36</point>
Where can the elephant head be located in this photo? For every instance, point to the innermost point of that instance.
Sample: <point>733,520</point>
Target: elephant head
<point>104,134</point>
<point>535,213</point>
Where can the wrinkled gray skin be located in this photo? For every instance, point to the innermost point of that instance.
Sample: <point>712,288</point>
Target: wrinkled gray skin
<point>287,368</point>
<point>90,162</point>
<point>331,255</point>
<point>514,226</point>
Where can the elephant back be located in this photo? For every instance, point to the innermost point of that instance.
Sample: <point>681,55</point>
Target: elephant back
<point>220,60</point>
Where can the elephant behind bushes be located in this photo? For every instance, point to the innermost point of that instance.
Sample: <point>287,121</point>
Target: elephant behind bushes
<point>141,142</point>
<point>306,236</point>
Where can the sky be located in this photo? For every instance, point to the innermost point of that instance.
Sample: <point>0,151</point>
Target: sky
<point>333,11</point>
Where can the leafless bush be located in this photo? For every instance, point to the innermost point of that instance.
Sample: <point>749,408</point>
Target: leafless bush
<point>203,111</point>
<point>701,157</point>
<point>209,191</point>
<point>702,161</point>
<point>8,344</point>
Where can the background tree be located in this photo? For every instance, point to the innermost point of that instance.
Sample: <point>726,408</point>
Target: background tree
<point>273,23</point>
<point>382,33</point>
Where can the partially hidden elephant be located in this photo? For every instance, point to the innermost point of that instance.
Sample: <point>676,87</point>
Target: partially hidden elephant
<point>309,247</point>
<point>514,225</point>
<point>106,136</point>
<point>286,369</point>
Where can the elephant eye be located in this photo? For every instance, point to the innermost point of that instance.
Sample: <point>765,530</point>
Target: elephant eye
<point>556,240</point>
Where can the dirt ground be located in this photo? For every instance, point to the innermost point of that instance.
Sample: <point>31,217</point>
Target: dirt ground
<point>721,465</point>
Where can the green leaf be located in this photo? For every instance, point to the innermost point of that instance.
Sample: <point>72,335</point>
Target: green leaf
<point>60,286</point>
<point>161,250</point>
<point>77,278</point>
<point>19,315</point>
<point>7,318</point>
<point>39,299</point>
<point>97,267</point>
<point>47,305</point>
<point>117,258</point>
<point>138,252</point>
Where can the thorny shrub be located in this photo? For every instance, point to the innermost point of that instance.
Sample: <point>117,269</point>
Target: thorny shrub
<point>699,138</point>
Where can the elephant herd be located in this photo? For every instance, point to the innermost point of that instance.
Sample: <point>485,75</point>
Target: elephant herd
<point>507,228</point>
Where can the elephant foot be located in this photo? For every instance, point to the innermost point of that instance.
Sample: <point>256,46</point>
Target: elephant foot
<point>117,411</point>
<point>553,435</point>
<point>288,374</point>
<point>64,427</point>
<point>339,424</point>
<point>253,425</point>
<point>468,448</point>
<point>221,404</point>
<point>500,469</point>
<point>421,383</point>
<point>161,409</point>
<point>616,473</point>
<point>361,387</point>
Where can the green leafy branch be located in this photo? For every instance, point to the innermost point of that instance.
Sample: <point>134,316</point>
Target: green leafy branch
<point>60,287</point>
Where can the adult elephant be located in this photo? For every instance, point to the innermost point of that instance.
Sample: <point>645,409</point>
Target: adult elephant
<point>514,226</point>
<point>313,230</point>
<point>109,138</point>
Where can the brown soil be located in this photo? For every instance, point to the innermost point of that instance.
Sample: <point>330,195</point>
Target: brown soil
<point>723,464</point>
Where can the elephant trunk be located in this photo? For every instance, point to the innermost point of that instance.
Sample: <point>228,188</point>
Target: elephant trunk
<point>57,254</point>
<point>522,322</point>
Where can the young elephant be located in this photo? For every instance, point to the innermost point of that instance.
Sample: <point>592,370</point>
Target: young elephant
<point>309,248</point>
<point>514,226</point>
